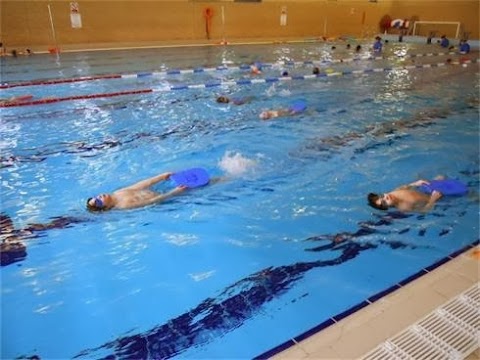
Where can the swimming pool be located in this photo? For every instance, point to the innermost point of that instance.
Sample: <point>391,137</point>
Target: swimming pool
<point>283,248</point>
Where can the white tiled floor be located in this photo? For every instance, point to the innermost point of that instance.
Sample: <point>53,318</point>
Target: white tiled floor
<point>359,333</point>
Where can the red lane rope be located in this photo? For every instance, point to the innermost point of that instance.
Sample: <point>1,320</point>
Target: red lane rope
<point>77,97</point>
<point>60,81</point>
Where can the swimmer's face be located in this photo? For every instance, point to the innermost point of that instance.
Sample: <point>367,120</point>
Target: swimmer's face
<point>255,69</point>
<point>98,203</point>
<point>264,115</point>
<point>381,202</point>
<point>384,201</point>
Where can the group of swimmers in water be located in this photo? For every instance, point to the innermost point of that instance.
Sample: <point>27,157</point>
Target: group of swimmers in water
<point>412,197</point>
<point>405,198</point>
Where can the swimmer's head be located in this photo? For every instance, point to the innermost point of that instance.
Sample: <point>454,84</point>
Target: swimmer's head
<point>264,115</point>
<point>268,114</point>
<point>256,68</point>
<point>223,99</point>
<point>98,203</point>
<point>316,70</point>
<point>380,202</point>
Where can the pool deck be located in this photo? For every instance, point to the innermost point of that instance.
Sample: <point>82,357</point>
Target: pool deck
<point>65,48</point>
<point>359,333</point>
<point>475,44</point>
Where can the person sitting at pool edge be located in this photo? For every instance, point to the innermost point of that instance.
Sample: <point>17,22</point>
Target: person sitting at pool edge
<point>134,196</point>
<point>406,198</point>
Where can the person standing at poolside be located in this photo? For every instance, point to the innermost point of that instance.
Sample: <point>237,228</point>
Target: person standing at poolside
<point>464,47</point>
<point>377,45</point>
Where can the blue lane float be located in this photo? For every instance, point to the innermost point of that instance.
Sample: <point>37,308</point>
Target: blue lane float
<point>217,68</point>
<point>311,76</point>
<point>463,62</point>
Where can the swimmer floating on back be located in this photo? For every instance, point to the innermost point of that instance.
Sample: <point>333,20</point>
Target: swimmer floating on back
<point>140,194</point>
<point>133,196</point>
<point>411,197</point>
<point>297,108</point>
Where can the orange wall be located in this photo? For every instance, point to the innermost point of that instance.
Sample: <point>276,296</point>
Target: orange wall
<point>27,23</point>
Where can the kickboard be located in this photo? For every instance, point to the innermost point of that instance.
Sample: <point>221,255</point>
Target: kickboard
<point>446,187</point>
<point>191,178</point>
<point>298,106</point>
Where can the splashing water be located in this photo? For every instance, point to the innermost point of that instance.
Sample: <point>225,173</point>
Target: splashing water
<point>234,164</point>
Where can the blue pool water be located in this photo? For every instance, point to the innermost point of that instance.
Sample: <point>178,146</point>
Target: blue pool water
<point>285,246</point>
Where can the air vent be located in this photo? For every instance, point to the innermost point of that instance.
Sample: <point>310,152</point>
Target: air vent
<point>452,331</point>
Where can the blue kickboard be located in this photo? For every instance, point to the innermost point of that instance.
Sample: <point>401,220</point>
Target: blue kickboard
<point>191,178</point>
<point>298,106</point>
<point>446,187</point>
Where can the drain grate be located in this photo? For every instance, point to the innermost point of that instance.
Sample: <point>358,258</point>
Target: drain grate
<point>452,331</point>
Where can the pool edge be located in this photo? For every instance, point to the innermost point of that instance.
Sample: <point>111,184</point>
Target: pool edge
<point>324,339</point>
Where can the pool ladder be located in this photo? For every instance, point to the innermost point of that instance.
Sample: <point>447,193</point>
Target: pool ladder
<point>452,332</point>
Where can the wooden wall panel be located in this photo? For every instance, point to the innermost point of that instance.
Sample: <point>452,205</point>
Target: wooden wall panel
<point>26,23</point>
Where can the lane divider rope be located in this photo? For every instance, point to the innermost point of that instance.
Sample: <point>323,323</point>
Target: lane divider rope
<point>234,82</point>
<point>77,97</point>
<point>207,69</point>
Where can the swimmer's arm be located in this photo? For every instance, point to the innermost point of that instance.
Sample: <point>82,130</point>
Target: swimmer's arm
<point>414,184</point>
<point>431,201</point>
<point>161,197</point>
<point>144,184</point>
